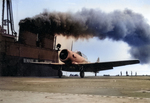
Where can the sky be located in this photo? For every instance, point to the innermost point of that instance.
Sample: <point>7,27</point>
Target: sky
<point>106,50</point>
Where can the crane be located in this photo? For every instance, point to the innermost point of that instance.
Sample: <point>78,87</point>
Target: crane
<point>8,21</point>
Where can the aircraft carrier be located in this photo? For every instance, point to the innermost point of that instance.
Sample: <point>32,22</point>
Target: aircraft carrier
<point>16,55</point>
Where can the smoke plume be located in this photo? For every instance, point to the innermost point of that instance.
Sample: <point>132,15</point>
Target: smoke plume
<point>126,26</point>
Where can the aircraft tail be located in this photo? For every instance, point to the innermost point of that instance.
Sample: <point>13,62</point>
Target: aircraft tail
<point>98,60</point>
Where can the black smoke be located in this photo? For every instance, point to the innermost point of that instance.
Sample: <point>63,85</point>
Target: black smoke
<point>126,26</point>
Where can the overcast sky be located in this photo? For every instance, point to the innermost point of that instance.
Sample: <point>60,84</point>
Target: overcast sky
<point>106,50</point>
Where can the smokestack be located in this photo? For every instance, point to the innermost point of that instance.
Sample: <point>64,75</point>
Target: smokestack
<point>126,26</point>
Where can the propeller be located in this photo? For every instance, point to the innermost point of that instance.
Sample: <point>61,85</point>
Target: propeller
<point>63,54</point>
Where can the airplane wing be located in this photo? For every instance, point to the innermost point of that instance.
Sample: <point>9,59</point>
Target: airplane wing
<point>107,65</point>
<point>90,67</point>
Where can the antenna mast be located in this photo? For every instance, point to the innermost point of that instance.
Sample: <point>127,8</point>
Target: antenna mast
<point>8,22</point>
<point>72,46</point>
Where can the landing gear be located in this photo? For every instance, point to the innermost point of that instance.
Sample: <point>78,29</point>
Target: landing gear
<point>95,74</point>
<point>82,74</point>
<point>60,73</point>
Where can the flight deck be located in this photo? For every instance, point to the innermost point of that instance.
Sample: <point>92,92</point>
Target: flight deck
<point>74,89</point>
